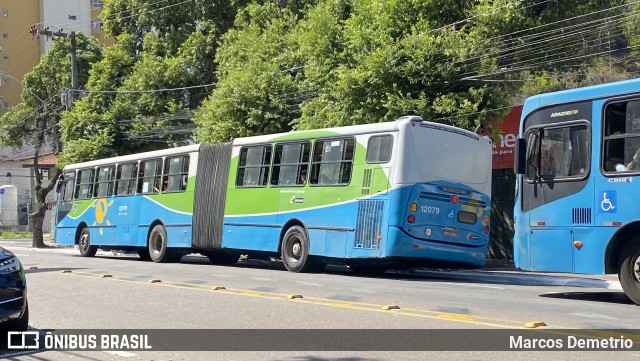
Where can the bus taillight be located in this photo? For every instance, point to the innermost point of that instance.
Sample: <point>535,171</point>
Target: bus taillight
<point>413,207</point>
<point>486,229</point>
<point>411,218</point>
<point>454,199</point>
<point>486,218</point>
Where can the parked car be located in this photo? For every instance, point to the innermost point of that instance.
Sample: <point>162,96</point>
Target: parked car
<point>14,308</point>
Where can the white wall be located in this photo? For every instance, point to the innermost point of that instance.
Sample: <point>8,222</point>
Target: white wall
<point>56,15</point>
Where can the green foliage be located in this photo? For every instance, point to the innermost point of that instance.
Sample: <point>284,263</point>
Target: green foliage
<point>224,69</point>
<point>35,120</point>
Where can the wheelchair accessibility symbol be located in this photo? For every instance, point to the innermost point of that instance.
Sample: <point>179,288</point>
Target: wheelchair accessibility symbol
<point>608,201</point>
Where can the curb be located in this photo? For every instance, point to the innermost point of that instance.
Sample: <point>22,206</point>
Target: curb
<point>529,279</point>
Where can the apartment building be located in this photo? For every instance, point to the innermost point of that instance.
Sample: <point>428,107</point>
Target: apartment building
<point>20,50</point>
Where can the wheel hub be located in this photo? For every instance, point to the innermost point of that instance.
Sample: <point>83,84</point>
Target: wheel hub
<point>296,249</point>
<point>636,269</point>
<point>83,240</point>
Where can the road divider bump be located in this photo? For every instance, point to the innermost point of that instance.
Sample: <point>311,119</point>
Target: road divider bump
<point>390,307</point>
<point>65,271</point>
<point>292,297</point>
<point>33,267</point>
<point>106,276</point>
<point>217,288</point>
<point>155,281</point>
<point>534,324</point>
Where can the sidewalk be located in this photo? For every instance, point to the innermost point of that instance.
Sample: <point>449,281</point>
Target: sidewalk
<point>500,271</point>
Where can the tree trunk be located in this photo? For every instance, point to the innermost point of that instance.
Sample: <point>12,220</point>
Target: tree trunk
<point>37,217</point>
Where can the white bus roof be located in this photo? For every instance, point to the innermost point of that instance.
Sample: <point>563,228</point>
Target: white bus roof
<point>346,130</point>
<point>133,157</point>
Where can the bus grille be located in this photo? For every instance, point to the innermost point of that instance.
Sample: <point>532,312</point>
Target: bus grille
<point>581,216</point>
<point>369,224</point>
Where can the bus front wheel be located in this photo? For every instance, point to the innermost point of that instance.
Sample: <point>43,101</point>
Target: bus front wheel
<point>629,271</point>
<point>295,251</point>
<point>84,244</point>
<point>158,249</point>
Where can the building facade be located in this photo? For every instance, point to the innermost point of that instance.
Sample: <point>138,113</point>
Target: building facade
<point>20,50</point>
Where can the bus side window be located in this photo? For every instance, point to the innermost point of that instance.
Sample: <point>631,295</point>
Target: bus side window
<point>379,148</point>
<point>84,186</point>
<point>253,166</point>
<point>332,160</point>
<point>149,178</point>
<point>290,163</point>
<point>175,174</point>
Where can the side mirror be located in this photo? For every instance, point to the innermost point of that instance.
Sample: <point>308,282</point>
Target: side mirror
<point>520,165</point>
<point>60,184</point>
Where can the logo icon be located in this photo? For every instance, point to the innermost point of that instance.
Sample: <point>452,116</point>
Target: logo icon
<point>608,201</point>
<point>23,340</point>
<point>102,207</point>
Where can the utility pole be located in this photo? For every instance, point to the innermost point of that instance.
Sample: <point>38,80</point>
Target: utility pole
<point>74,69</point>
<point>72,95</point>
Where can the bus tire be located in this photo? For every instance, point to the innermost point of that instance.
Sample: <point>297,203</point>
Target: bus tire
<point>158,250</point>
<point>295,251</point>
<point>84,244</point>
<point>629,271</point>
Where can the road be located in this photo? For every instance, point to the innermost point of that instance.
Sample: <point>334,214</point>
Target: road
<point>113,291</point>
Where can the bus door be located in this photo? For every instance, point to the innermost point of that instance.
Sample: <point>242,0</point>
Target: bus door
<point>554,193</point>
<point>127,204</point>
<point>64,188</point>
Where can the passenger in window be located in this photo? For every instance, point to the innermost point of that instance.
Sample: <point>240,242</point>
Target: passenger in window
<point>633,165</point>
<point>303,177</point>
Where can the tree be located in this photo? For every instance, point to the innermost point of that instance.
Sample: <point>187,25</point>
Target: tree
<point>35,121</point>
<point>144,90</point>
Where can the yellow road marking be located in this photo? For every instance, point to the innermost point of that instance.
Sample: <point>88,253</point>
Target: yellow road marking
<point>363,306</point>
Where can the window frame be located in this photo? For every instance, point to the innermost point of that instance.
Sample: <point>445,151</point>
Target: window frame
<point>132,180</point>
<point>613,137</point>
<point>313,178</point>
<point>301,164</point>
<point>390,151</point>
<point>109,182</point>
<point>538,148</point>
<point>156,177</point>
<point>183,174</point>
<point>79,183</point>
<point>263,165</point>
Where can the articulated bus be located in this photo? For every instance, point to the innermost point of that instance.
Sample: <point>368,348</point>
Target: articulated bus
<point>578,186</point>
<point>369,196</point>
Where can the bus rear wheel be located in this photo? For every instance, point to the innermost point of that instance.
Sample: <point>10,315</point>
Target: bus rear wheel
<point>629,271</point>
<point>159,252</point>
<point>84,244</point>
<point>295,251</point>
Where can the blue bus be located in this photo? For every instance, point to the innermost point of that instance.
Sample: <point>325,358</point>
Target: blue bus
<point>371,196</point>
<point>577,208</point>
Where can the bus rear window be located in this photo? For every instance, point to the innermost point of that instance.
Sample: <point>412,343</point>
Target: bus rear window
<point>379,148</point>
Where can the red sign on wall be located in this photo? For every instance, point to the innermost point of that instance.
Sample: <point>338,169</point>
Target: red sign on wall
<point>504,147</point>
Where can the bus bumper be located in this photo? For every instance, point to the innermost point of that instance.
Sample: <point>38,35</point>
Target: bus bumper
<point>402,245</point>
